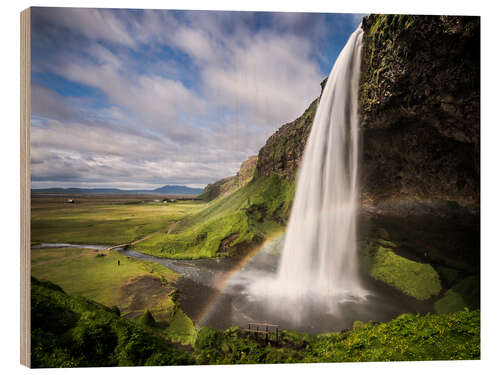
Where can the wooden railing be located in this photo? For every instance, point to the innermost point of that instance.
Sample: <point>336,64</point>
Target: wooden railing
<point>269,330</point>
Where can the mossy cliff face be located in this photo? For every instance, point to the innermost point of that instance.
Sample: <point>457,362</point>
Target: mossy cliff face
<point>283,151</point>
<point>419,117</point>
<point>419,106</point>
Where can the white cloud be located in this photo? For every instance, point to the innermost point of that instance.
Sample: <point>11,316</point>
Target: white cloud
<point>157,129</point>
<point>95,24</point>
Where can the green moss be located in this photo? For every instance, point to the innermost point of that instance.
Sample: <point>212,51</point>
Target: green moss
<point>462,295</point>
<point>415,279</point>
<point>452,301</point>
<point>386,243</point>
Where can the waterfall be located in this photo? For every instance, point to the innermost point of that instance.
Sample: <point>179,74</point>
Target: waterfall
<point>319,258</point>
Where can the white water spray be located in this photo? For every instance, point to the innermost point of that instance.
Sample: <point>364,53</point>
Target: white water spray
<point>319,259</point>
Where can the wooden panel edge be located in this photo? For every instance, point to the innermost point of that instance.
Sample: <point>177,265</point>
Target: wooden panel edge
<point>25,350</point>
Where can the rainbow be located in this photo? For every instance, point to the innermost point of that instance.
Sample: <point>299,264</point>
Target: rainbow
<point>225,277</point>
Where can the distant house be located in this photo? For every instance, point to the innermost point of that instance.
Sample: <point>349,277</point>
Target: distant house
<point>165,201</point>
<point>71,201</point>
<point>156,200</point>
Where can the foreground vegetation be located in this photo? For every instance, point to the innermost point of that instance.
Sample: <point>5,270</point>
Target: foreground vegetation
<point>96,221</point>
<point>406,338</point>
<point>70,331</point>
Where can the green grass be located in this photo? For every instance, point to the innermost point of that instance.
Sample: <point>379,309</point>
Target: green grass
<point>101,223</point>
<point>415,279</point>
<point>82,272</point>
<point>250,213</point>
<point>407,338</point>
<point>186,229</point>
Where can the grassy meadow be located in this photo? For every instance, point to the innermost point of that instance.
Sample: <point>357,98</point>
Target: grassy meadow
<point>106,221</point>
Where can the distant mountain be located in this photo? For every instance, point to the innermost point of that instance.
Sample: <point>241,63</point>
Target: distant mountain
<point>164,190</point>
<point>176,189</point>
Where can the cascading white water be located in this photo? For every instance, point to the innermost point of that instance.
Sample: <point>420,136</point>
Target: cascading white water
<point>319,258</point>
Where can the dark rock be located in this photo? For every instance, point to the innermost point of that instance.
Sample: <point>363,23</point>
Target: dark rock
<point>220,187</point>
<point>283,150</point>
<point>229,184</point>
<point>382,233</point>
<point>247,170</point>
<point>419,106</point>
<point>419,115</point>
<point>225,244</point>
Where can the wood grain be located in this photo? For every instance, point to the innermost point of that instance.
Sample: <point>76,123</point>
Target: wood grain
<point>25,188</point>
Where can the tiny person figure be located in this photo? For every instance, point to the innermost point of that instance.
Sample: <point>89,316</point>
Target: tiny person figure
<point>118,261</point>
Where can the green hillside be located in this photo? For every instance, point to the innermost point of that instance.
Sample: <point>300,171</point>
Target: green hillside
<point>229,224</point>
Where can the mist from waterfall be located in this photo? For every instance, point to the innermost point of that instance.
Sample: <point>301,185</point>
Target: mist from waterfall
<point>319,259</point>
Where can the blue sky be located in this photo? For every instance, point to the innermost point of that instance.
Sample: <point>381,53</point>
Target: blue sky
<point>140,99</point>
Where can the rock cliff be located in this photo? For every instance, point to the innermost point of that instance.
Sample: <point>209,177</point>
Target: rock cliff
<point>419,115</point>
<point>229,184</point>
<point>419,106</point>
<point>282,152</point>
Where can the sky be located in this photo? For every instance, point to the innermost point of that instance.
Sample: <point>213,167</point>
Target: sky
<point>138,99</point>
